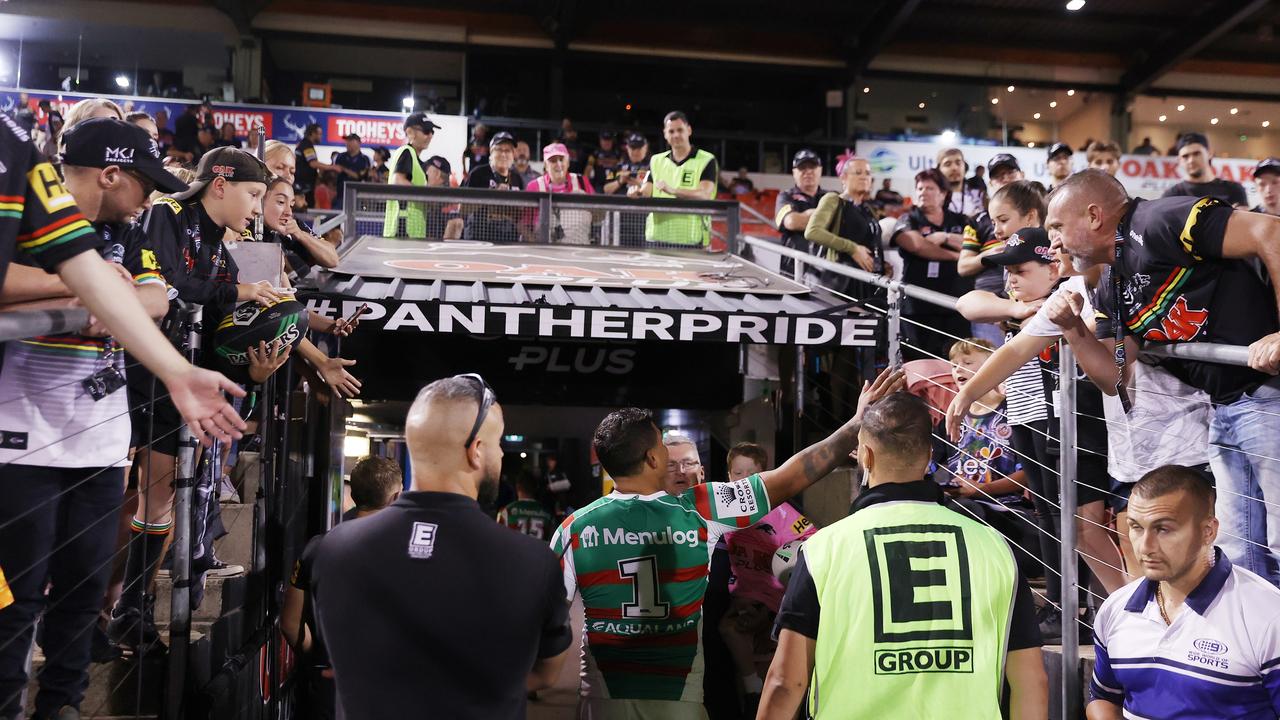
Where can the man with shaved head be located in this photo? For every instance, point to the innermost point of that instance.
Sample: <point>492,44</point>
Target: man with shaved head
<point>415,602</point>
<point>1187,269</point>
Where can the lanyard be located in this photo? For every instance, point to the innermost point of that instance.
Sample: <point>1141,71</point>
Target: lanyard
<point>1121,391</point>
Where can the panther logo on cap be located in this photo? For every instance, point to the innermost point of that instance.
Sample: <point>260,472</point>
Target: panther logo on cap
<point>1013,241</point>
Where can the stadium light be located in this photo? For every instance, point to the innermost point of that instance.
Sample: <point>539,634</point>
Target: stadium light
<point>1010,88</point>
<point>1075,5</point>
<point>1163,118</point>
<point>921,106</point>
<point>1266,123</point>
<point>1031,144</point>
<point>1036,116</point>
<point>1181,108</point>
<point>1053,103</point>
<point>866,90</point>
<point>1070,93</point>
<point>1235,110</point>
<point>948,135</point>
<point>407,102</point>
<point>1213,121</point>
<point>122,81</point>
<point>995,101</point>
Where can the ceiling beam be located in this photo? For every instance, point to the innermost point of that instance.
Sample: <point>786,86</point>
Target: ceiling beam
<point>878,33</point>
<point>1196,34</point>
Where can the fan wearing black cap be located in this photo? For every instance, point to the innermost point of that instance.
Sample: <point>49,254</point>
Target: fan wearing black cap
<point>57,519</point>
<point>1266,176</point>
<point>406,169</point>
<point>309,165</point>
<point>443,221</point>
<point>1002,169</point>
<point>602,165</point>
<point>352,165</point>
<point>1197,164</point>
<point>795,206</point>
<point>632,171</point>
<point>1060,155</point>
<point>494,224</point>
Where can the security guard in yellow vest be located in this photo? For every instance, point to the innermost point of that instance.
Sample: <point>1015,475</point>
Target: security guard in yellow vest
<point>907,608</point>
<point>406,169</point>
<point>684,172</point>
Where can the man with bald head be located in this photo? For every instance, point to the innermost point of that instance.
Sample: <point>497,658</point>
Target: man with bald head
<point>1186,269</point>
<point>415,602</point>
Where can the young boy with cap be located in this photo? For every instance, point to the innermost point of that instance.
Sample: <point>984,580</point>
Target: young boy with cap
<point>1202,181</point>
<point>1266,175</point>
<point>1060,155</point>
<point>406,169</point>
<point>66,446</point>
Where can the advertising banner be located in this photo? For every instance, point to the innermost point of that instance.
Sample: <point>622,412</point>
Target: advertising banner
<point>281,122</point>
<point>1145,176</point>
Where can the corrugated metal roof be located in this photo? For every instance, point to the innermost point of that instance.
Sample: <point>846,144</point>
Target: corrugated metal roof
<point>498,293</point>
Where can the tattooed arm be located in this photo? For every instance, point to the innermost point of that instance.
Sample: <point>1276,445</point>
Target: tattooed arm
<point>817,461</point>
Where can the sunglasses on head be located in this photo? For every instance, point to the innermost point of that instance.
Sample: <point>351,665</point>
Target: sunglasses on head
<point>485,398</point>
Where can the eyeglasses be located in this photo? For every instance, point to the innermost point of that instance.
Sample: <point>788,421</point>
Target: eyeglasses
<point>148,185</point>
<point>485,398</point>
<point>684,465</point>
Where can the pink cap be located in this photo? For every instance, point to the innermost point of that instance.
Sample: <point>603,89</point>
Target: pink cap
<point>554,149</point>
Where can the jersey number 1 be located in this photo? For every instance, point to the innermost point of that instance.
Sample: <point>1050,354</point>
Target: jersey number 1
<point>643,574</point>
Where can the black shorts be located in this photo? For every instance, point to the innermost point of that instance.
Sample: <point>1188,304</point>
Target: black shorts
<point>156,422</point>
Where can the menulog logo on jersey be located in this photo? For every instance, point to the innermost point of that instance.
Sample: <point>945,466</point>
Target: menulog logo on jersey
<point>371,130</point>
<point>590,537</point>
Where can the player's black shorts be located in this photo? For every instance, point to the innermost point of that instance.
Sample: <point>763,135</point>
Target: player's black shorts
<point>156,422</point>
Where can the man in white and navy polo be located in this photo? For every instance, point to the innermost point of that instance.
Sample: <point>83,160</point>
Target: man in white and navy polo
<point>1195,638</point>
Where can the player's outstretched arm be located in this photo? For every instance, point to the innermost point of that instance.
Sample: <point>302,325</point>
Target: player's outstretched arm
<point>196,393</point>
<point>817,461</point>
<point>788,677</point>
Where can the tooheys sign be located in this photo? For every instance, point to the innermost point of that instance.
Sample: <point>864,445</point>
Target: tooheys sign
<point>604,323</point>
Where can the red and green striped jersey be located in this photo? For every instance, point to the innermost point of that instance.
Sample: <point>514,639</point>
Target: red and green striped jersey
<point>640,563</point>
<point>527,516</point>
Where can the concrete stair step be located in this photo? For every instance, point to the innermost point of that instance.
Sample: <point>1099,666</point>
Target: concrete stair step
<point>220,594</point>
<point>236,547</point>
<point>113,690</point>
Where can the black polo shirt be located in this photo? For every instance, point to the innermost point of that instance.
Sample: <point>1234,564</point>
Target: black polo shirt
<point>1229,192</point>
<point>789,201</point>
<point>801,613</point>
<point>1177,287</point>
<point>431,609</point>
<point>939,275</point>
<point>304,176</point>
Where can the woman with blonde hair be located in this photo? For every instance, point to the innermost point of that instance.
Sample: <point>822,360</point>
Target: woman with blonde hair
<point>88,109</point>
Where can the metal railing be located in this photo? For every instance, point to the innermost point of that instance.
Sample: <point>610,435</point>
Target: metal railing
<point>432,213</point>
<point>1071,697</point>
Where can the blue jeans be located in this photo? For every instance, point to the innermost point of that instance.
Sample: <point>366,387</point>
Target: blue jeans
<point>1242,437</point>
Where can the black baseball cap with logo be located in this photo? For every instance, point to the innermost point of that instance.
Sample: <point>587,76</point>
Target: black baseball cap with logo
<point>1191,138</point>
<point>1027,245</point>
<point>420,121</point>
<point>636,140</point>
<point>607,135</point>
<point>233,164</point>
<point>440,164</point>
<point>1059,148</point>
<point>805,156</point>
<point>502,137</point>
<point>102,142</point>
<point>1002,161</point>
<point>1270,165</point>
<point>351,136</point>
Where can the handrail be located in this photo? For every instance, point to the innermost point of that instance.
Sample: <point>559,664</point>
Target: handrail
<point>21,324</point>
<point>930,296</point>
<point>332,222</point>
<point>527,197</point>
<point>1197,351</point>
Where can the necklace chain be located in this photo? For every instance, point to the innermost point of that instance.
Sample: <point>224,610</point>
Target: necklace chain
<point>1160,604</point>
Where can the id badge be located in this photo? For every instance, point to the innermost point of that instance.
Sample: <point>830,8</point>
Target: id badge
<point>934,268</point>
<point>103,383</point>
